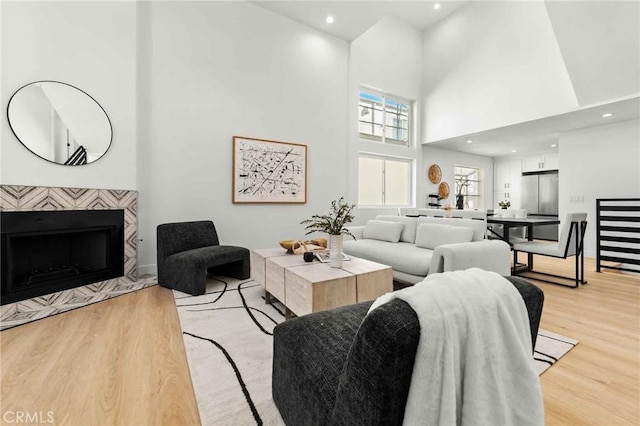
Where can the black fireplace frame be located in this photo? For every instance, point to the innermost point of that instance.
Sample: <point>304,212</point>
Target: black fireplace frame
<point>48,223</point>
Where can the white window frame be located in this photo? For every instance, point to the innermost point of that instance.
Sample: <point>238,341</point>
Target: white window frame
<point>411,188</point>
<point>480,184</point>
<point>386,97</point>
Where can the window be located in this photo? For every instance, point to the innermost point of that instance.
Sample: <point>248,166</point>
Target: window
<point>467,181</point>
<point>383,118</point>
<point>384,181</point>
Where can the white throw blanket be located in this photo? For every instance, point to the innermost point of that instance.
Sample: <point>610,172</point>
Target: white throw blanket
<point>474,363</point>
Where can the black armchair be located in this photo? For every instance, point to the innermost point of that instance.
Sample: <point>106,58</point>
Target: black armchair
<point>188,250</point>
<point>344,367</point>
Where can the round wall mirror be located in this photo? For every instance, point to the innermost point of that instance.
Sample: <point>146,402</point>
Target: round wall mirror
<point>59,122</point>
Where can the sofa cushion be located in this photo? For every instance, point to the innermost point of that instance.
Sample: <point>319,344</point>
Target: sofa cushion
<point>309,356</point>
<point>383,230</point>
<point>207,257</point>
<point>479,226</point>
<point>403,257</point>
<point>408,234</point>
<point>432,235</point>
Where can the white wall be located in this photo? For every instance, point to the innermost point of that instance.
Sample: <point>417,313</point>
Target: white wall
<point>90,45</point>
<point>598,162</point>
<point>387,57</point>
<point>447,160</point>
<point>492,64</point>
<point>600,45</point>
<point>218,69</point>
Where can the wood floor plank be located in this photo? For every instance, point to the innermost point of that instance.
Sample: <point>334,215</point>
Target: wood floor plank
<point>122,361</point>
<point>598,382</point>
<point>117,362</point>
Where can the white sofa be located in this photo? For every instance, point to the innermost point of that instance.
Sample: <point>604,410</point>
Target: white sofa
<point>415,251</point>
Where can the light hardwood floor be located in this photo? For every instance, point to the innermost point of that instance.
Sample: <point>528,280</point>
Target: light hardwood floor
<point>117,362</point>
<point>122,361</point>
<point>597,382</point>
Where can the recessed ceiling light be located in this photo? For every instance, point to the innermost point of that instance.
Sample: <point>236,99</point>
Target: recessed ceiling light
<point>606,115</point>
<point>329,19</point>
<point>553,145</point>
<point>469,141</point>
<point>513,150</point>
<point>436,6</point>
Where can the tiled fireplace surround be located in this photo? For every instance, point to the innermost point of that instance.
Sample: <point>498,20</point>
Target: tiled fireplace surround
<point>42,198</point>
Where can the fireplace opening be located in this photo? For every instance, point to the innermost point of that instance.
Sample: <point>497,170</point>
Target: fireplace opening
<point>44,252</point>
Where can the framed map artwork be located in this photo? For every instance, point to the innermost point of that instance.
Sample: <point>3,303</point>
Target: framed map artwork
<point>266,171</point>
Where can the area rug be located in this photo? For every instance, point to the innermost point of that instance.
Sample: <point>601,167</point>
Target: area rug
<point>549,348</point>
<point>36,308</point>
<point>228,338</point>
<point>228,333</point>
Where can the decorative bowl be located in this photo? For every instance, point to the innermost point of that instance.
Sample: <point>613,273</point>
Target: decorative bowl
<point>322,242</point>
<point>287,244</point>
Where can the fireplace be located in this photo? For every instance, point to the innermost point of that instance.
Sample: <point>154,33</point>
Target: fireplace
<point>48,251</point>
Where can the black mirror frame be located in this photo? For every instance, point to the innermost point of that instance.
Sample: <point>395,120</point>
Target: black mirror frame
<point>77,88</point>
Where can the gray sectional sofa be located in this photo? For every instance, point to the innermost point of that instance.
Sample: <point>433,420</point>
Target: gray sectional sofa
<point>418,246</point>
<point>344,367</point>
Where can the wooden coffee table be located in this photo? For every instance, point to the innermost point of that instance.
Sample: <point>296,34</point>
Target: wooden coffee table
<point>306,287</point>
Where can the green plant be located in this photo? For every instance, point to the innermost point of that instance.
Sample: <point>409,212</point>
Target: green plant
<point>333,223</point>
<point>505,204</point>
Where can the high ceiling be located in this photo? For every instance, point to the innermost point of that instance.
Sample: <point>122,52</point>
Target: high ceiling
<point>352,18</point>
<point>598,43</point>
<point>537,136</point>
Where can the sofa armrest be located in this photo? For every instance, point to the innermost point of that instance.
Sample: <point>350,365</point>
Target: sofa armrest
<point>490,255</point>
<point>309,353</point>
<point>357,231</point>
<point>376,377</point>
<point>534,301</point>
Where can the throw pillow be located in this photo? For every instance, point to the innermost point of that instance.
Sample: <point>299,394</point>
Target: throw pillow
<point>430,235</point>
<point>408,234</point>
<point>383,230</point>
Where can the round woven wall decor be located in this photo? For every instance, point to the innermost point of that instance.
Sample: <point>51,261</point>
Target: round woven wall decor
<point>443,190</point>
<point>435,174</point>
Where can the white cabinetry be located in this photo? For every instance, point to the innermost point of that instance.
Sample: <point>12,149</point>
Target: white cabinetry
<point>551,162</point>
<point>506,183</point>
<point>540,163</point>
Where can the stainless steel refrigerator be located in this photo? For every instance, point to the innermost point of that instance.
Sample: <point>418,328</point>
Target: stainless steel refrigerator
<point>539,197</point>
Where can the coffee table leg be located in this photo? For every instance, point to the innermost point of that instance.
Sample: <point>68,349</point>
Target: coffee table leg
<point>268,298</point>
<point>287,313</point>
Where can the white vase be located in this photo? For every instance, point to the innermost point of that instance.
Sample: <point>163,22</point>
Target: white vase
<point>335,251</point>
